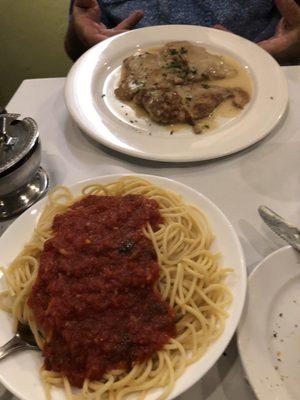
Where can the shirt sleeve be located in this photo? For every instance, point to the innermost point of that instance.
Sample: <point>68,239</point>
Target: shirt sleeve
<point>71,6</point>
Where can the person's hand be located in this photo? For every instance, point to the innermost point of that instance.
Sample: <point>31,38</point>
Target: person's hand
<point>88,26</point>
<point>285,44</point>
<point>86,29</point>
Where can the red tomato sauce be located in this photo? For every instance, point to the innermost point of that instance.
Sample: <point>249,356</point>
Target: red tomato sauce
<point>94,295</point>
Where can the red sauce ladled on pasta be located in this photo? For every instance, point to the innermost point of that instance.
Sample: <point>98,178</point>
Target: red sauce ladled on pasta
<point>94,295</point>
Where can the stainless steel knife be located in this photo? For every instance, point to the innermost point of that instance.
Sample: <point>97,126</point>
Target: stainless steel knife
<point>282,228</point>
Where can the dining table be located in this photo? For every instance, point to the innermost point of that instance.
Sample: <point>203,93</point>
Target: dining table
<point>267,173</point>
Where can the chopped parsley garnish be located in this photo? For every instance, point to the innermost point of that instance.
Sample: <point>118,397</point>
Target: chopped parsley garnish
<point>175,64</point>
<point>206,126</point>
<point>173,52</point>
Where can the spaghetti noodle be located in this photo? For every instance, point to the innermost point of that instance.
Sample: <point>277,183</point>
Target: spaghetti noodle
<point>190,280</point>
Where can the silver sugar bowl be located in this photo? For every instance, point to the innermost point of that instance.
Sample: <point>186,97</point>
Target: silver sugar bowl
<point>22,180</point>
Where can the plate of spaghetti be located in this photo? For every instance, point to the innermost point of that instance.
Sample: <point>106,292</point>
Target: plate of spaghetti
<point>132,286</point>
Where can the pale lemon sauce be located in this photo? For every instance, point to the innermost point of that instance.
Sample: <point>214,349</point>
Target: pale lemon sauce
<point>241,80</point>
<point>139,111</point>
<point>227,109</point>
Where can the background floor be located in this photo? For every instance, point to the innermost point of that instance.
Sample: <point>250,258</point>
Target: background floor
<point>31,37</point>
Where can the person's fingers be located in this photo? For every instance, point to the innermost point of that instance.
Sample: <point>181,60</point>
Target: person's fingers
<point>95,38</point>
<point>281,46</point>
<point>93,33</point>
<point>88,31</point>
<point>90,38</point>
<point>271,45</point>
<point>280,28</point>
<point>113,32</point>
<point>221,28</point>
<point>290,11</point>
<point>132,20</point>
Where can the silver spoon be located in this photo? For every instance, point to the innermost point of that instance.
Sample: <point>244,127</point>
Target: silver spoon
<point>23,340</point>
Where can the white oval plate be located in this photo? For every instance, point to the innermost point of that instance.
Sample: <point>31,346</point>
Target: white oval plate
<point>20,372</point>
<point>269,331</point>
<point>97,72</point>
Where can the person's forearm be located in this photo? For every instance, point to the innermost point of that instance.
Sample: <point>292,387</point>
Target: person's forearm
<point>73,46</point>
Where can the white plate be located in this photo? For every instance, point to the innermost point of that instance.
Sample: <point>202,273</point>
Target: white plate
<point>97,72</point>
<point>269,332</point>
<point>20,372</point>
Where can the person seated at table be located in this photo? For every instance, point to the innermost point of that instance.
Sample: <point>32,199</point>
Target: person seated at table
<point>274,25</point>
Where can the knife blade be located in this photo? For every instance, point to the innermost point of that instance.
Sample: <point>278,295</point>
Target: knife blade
<point>280,226</point>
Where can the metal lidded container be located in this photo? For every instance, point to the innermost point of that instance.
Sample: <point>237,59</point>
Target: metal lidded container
<point>22,180</point>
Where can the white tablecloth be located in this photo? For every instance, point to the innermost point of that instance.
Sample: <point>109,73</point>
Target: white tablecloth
<point>267,173</point>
